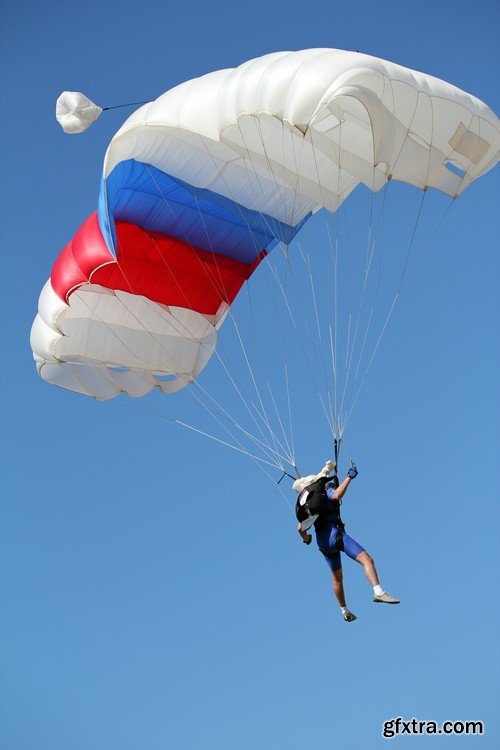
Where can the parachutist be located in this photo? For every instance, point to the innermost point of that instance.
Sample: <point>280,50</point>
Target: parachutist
<point>318,504</point>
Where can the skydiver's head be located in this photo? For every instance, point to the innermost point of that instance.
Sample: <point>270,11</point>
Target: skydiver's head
<point>333,483</point>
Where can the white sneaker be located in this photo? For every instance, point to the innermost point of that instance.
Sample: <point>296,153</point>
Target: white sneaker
<point>386,598</point>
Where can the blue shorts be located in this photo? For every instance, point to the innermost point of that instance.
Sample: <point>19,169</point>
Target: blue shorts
<point>326,542</point>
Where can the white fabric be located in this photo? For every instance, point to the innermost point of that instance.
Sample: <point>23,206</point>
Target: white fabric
<point>106,342</point>
<point>75,112</point>
<point>284,134</point>
<point>290,132</point>
<point>300,484</point>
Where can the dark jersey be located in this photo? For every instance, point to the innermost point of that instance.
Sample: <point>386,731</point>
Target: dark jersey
<point>330,515</point>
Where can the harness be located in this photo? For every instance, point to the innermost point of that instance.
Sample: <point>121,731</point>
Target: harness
<point>313,507</point>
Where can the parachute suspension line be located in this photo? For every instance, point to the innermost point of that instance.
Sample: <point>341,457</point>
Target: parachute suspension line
<point>202,219</point>
<point>335,322</point>
<point>342,192</point>
<point>348,339</point>
<point>334,365</point>
<point>290,421</point>
<point>272,172</point>
<point>264,415</point>
<point>369,258</point>
<point>321,360</point>
<point>436,229</point>
<point>311,342</point>
<point>229,445</point>
<point>372,310</point>
<point>266,259</point>
<point>368,264</point>
<point>246,358</point>
<point>279,187</point>
<point>412,241</point>
<point>265,445</point>
<point>274,458</point>
<point>262,366</point>
<point>364,343</point>
<point>233,381</point>
<point>380,230</point>
<point>334,260</point>
<point>224,294</point>
<point>253,438</point>
<point>438,225</point>
<point>299,339</point>
<point>278,417</point>
<point>374,243</point>
<point>349,458</point>
<point>262,444</point>
<point>180,422</point>
<point>285,255</point>
<point>391,310</point>
<point>334,256</point>
<point>292,221</point>
<point>256,459</point>
<point>94,313</point>
<point>333,313</point>
<point>301,342</point>
<point>220,290</point>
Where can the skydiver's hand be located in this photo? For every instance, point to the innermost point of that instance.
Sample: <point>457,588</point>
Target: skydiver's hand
<point>353,472</point>
<point>330,465</point>
<point>306,538</point>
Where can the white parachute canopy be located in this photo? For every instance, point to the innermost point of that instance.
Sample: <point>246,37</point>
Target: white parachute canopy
<point>75,112</point>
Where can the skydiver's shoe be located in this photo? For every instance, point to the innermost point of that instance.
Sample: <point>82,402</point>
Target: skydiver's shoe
<point>386,598</point>
<point>349,617</point>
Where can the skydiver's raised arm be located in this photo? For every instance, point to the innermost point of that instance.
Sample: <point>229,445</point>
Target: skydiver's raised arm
<point>342,488</point>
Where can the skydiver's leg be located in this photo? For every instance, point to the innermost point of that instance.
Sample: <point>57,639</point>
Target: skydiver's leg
<point>335,565</point>
<point>338,586</point>
<point>366,561</point>
<point>355,551</point>
<point>379,594</point>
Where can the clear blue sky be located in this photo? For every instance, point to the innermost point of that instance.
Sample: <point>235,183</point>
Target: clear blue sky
<point>120,628</point>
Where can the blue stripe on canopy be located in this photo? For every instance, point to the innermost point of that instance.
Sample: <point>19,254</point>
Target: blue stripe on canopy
<point>143,195</point>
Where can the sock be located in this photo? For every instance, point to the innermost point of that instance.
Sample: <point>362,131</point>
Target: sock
<point>378,590</point>
<point>345,610</point>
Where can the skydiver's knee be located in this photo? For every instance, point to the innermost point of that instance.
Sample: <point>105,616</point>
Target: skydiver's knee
<point>364,558</point>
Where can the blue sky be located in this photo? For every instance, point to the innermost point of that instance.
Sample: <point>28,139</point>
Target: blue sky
<point>120,626</point>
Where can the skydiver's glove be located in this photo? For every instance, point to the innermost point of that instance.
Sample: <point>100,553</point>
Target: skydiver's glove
<point>308,540</point>
<point>353,472</point>
<point>329,466</point>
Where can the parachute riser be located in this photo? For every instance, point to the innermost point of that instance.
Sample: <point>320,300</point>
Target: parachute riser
<point>336,449</point>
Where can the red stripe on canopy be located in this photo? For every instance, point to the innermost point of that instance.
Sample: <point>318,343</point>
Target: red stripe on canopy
<point>150,264</point>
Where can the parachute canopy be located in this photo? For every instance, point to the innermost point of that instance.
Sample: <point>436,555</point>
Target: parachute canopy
<point>199,185</point>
